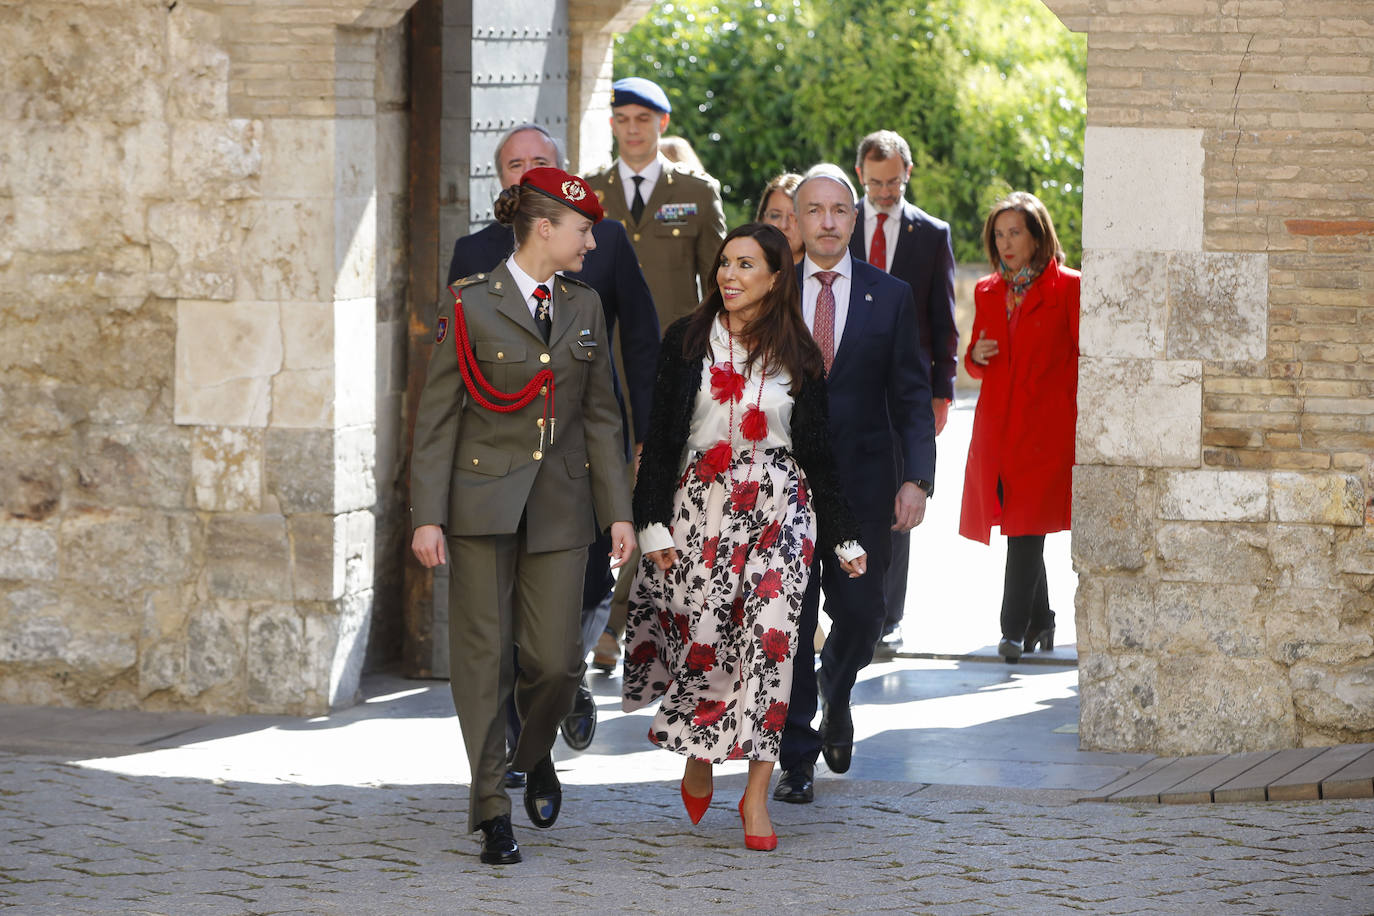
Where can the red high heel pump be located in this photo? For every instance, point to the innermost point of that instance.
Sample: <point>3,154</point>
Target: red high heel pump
<point>764,843</point>
<point>696,805</point>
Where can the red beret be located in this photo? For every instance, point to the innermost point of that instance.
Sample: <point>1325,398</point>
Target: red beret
<point>569,190</point>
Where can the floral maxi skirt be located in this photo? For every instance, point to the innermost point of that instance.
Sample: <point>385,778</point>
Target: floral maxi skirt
<point>716,634</point>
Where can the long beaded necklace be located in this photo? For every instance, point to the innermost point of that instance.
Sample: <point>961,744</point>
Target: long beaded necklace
<point>742,491</point>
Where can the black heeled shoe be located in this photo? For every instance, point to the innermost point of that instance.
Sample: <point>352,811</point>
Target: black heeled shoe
<point>1010,650</point>
<point>1044,638</point>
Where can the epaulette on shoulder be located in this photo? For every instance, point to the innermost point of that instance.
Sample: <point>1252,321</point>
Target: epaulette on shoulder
<point>574,281</point>
<point>469,281</point>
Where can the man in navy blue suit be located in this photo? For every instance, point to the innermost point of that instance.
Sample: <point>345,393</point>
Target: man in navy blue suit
<point>904,240</point>
<point>864,321</point>
<point>611,269</point>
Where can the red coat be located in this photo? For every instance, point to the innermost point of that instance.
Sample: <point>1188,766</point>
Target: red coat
<point>1023,427</point>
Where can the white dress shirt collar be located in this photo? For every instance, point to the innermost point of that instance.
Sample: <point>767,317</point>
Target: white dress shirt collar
<point>526,284</point>
<point>651,173</point>
<point>844,268</point>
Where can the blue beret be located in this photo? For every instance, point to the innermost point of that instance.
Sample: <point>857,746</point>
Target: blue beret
<point>635,90</point>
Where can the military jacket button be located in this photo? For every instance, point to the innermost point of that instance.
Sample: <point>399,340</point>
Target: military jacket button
<point>500,354</point>
<point>636,236</point>
<point>677,232</point>
<point>538,454</point>
<point>474,462</point>
<point>543,357</point>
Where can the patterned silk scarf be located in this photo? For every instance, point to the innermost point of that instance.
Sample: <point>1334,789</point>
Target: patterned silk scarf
<point>1018,282</point>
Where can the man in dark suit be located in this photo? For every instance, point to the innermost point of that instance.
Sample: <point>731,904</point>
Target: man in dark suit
<point>612,270</point>
<point>865,324</point>
<point>914,246</point>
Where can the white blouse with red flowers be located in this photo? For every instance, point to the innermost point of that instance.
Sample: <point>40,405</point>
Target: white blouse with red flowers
<point>724,381</point>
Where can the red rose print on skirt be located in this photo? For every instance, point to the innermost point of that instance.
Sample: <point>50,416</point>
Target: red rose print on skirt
<point>808,551</point>
<point>714,461</point>
<point>776,717</point>
<point>770,534</point>
<point>775,644</point>
<point>754,426</point>
<point>643,653</point>
<point>744,496</point>
<point>708,711</point>
<point>701,657</point>
<point>803,493</point>
<point>684,627</point>
<point>769,584</point>
<point>737,611</point>
<point>708,551</point>
<point>737,558</point>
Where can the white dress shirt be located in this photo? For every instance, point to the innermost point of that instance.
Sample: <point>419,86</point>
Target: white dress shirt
<point>811,288</point>
<point>651,173</point>
<point>526,284</point>
<point>711,423</point>
<point>890,228</point>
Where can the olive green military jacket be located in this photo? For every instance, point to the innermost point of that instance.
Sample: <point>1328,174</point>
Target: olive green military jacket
<point>677,237</point>
<point>476,471</point>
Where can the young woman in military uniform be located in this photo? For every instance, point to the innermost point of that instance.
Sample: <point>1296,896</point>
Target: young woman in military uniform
<point>517,456</point>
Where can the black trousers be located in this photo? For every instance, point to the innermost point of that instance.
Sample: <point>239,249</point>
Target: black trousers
<point>1025,595</point>
<point>856,612</point>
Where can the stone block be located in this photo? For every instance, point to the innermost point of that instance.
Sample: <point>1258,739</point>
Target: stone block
<point>1146,413</point>
<point>308,335</point>
<point>303,399</point>
<point>288,252</point>
<point>276,679</point>
<point>1304,555</point>
<point>162,641</point>
<point>1319,499</point>
<point>198,65</point>
<point>1214,496</point>
<point>300,469</point>
<point>1090,615</point>
<point>298,158</point>
<point>1124,304</point>
<point>1338,699</point>
<point>1128,613</point>
<point>1308,625</point>
<point>227,468</point>
<point>104,631</point>
<point>28,551</point>
<point>359,531</point>
<point>355,247</point>
<point>317,546</point>
<point>355,458</point>
<point>1193,552</point>
<point>1118,705</point>
<point>195,248</point>
<point>225,358</point>
<point>1143,189</point>
<point>1112,521</point>
<point>1216,704</point>
<point>355,361</point>
<point>339,639</point>
<point>247,556</point>
<point>143,465</point>
<point>128,549</point>
<point>1218,306</point>
<point>34,629</point>
<point>218,158</point>
<point>216,646</point>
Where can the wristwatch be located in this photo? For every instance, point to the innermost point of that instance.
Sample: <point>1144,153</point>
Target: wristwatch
<point>925,485</point>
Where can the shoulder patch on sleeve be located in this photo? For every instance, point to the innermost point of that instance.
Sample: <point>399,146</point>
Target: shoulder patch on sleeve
<point>441,329</point>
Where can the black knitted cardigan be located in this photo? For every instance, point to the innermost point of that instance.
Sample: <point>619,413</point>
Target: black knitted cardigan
<point>670,420</point>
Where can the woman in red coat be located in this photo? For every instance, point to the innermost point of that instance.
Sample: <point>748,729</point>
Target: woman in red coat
<point>1020,459</point>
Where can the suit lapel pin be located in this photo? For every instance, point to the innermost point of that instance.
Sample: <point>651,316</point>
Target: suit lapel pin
<point>868,297</point>
<point>909,227</point>
<point>585,332</point>
<point>563,289</point>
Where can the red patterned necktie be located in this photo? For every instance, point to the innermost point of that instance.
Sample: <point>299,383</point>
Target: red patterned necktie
<point>823,325</point>
<point>877,252</point>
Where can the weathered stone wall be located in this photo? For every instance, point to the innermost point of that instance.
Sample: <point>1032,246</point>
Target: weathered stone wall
<point>1223,528</point>
<point>201,218</point>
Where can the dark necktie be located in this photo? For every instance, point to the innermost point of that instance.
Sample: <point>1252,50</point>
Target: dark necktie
<point>543,315</point>
<point>877,252</point>
<point>823,324</point>
<point>637,205</point>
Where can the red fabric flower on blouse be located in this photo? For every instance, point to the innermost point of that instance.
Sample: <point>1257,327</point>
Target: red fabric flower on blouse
<point>776,717</point>
<point>714,462</point>
<point>726,383</point>
<point>754,426</point>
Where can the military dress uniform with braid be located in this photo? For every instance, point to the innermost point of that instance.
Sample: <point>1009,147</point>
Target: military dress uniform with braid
<point>518,493</point>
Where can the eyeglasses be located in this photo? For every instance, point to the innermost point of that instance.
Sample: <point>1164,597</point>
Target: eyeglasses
<point>891,184</point>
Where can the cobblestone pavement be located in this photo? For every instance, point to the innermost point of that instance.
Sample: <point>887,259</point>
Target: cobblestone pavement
<point>81,840</point>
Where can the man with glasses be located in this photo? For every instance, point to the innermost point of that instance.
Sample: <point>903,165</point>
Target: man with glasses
<point>914,246</point>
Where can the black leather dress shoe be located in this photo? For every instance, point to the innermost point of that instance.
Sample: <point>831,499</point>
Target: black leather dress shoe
<point>543,794</point>
<point>837,737</point>
<point>498,841</point>
<point>797,785</point>
<point>579,726</point>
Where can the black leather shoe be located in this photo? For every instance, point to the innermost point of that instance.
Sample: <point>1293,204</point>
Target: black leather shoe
<point>797,785</point>
<point>543,794</point>
<point>837,737</point>
<point>498,841</point>
<point>579,726</point>
<point>1010,650</point>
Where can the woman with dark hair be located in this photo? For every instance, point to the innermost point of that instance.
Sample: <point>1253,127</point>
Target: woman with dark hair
<point>737,488</point>
<point>776,209</point>
<point>1020,457</point>
<point>516,461</point>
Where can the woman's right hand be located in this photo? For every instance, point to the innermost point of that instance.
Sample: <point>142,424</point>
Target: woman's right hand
<point>983,349</point>
<point>428,545</point>
<point>663,559</point>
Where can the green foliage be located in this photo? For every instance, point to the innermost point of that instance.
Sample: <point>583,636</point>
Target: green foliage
<point>989,93</point>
